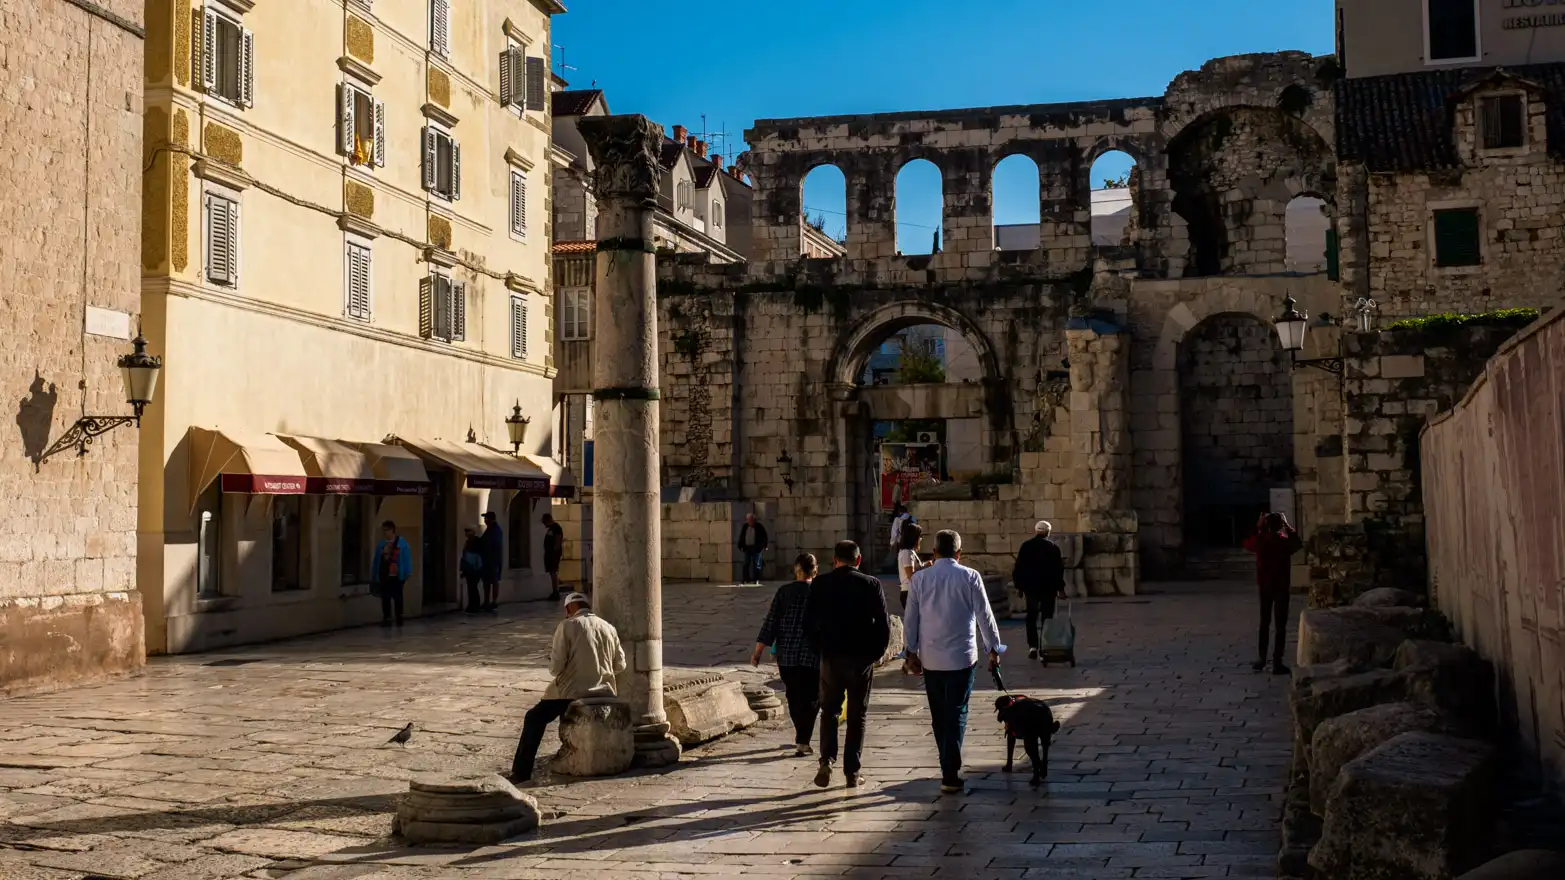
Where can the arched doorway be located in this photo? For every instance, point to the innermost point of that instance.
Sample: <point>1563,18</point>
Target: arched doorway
<point>1236,424</point>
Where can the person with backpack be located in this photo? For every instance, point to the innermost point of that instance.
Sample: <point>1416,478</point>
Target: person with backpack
<point>391,570</point>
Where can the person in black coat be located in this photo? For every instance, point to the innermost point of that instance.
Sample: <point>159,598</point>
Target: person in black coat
<point>493,543</point>
<point>846,621</point>
<point>1039,576</point>
<point>752,542</point>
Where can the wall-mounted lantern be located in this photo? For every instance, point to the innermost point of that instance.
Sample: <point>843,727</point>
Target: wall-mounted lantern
<point>139,371</point>
<point>1292,325</point>
<point>785,469</point>
<point>516,428</point>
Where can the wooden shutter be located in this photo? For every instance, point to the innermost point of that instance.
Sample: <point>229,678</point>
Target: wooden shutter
<point>222,239</point>
<point>511,76</point>
<point>246,69</point>
<point>358,293</point>
<point>518,203</point>
<point>518,327</point>
<point>345,119</point>
<point>428,306</point>
<point>380,133</point>
<point>430,160</point>
<point>537,83</point>
<point>1456,238</point>
<point>458,311</point>
<point>440,26</point>
<point>209,51</point>
<point>456,169</point>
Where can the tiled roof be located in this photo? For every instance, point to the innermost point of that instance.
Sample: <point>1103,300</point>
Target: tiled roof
<point>1402,122</point>
<point>704,175</point>
<point>670,155</point>
<point>575,247</point>
<point>574,103</point>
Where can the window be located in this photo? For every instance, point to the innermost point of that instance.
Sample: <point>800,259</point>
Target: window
<point>442,164</point>
<point>1453,30</point>
<point>686,192</point>
<point>287,543</point>
<point>519,327</point>
<point>356,296</point>
<point>442,308</point>
<point>222,239</point>
<point>518,203</point>
<point>576,316</point>
<point>1457,238</point>
<point>209,553</point>
<point>1503,121</point>
<point>717,214</point>
<point>440,27</point>
<point>361,126</point>
<point>356,517</point>
<point>226,58</point>
<point>524,79</point>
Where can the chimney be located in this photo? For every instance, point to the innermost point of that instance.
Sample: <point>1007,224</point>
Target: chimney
<point>690,142</point>
<point>717,160</point>
<point>679,132</point>
<point>701,149</point>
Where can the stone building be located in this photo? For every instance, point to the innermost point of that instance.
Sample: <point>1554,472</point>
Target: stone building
<point>70,95</point>
<point>345,265</point>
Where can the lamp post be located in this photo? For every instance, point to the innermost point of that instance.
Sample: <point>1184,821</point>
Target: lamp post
<point>139,371</point>
<point>516,427</point>
<point>1292,325</point>
<point>785,469</point>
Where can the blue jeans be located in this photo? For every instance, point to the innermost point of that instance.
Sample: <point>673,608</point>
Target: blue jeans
<point>948,694</point>
<point>752,567</point>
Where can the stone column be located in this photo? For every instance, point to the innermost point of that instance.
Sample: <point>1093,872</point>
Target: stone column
<point>1100,427</point>
<point>626,521</point>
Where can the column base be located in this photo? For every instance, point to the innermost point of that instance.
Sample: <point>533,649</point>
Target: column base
<point>654,746</point>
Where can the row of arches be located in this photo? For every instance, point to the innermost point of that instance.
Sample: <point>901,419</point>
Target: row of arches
<point>1017,209</point>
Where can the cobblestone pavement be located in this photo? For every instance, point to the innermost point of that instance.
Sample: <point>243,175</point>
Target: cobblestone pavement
<point>273,762</point>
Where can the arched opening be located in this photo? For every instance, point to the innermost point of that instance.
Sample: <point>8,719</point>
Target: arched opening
<point>1115,187</point>
<point>1017,206</point>
<point>920,207</point>
<point>1308,224</point>
<point>1236,420</point>
<point>823,223</point>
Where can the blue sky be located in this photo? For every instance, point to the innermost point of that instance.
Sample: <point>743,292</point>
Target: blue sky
<point>739,62</point>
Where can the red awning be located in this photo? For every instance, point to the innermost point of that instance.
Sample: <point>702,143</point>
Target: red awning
<point>256,464</point>
<point>485,468</point>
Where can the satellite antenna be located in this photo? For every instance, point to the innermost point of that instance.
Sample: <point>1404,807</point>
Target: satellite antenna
<point>717,141</point>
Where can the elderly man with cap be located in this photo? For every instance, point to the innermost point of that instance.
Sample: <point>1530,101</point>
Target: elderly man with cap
<point>585,658</point>
<point>1039,576</point>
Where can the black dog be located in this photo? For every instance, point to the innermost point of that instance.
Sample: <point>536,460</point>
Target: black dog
<point>1030,721</point>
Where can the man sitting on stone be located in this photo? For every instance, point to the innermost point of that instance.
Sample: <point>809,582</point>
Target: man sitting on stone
<point>585,658</point>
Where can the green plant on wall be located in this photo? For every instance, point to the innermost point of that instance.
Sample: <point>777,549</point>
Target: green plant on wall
<point>1450,321</point>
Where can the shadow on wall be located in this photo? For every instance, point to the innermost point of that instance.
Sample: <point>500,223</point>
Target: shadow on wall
<point>35,417</point>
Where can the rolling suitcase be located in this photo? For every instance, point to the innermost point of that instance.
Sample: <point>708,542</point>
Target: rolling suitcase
<point>1057,642</point>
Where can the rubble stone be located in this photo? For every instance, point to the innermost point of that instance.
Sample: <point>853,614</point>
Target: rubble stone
<point>1387,597</point>
<point>1368,636</point>
<point>704,707</point>
<point>596,738</point>
<point>763,702</point>
<point>1450,677</point>
<point>464,810</point>
<point>1343,738</point>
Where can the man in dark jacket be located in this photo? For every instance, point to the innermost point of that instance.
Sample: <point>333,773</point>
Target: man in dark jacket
<point>752,541</point>
<point>494,560</point>
<point>553,552</point>
<point>1273,544</point>
<point>846,621</point>
<point>1039,576</point>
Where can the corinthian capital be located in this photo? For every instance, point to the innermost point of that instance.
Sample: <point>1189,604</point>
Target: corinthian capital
<point>624,154</point>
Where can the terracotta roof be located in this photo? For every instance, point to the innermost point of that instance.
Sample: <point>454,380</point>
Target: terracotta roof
<point>574,103</point>
<point>1402,122</point>
<point>575,247</point>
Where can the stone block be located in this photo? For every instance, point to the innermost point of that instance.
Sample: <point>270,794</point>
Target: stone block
<point>595,738</point>
<point>1419,807</point>
<point>1450,677</point>
<point>898,642</point>
<point>1527,864</point>
<point>464,810</point>
<point>1321,699</point>
<point>1388,597</point>
<point>1368,636</point>
<point>1343,738</point>
<point>704,707</point>
<point>763,702</point>
<point>1402,366</point>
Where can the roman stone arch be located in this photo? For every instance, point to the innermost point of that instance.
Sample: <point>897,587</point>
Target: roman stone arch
<point>856,343</point>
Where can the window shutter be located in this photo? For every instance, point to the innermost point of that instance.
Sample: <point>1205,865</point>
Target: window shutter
<point>440,26</point>
<point>358,305</point>
<point>209,51</point>
<point>345,120</point>
<point>426,307</point>
<point>1456,238</point>
<point>537,83</point>
<point>216,263</point>
<point>518,327</point>
<point>518,203</point>
<point>380,133</point>
<point>456,170</point>
<point>511,75</point>
<point>247,69</point>
<point>430,163</point>
<point>458,311</point>
<point>233,241</point>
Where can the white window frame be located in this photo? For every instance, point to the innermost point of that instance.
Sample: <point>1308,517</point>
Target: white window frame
<point>351,243</point>
<point>211,194</point>
<point>204,55</point>
<point>717,214</point>
<point>349,91</point>
<point>430,170</point>
<point>518,329</point>
<point>1477,39</point>
<point>576,314</point>
<point>439,37</point>
<point>516,210</point>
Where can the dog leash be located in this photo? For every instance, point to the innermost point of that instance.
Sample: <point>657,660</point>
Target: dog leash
<point>998,681</point>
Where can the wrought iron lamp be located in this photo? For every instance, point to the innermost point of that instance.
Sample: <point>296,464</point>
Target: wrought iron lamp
<point>516,427</point>
<point>139,371</point>
<point>1292,325</point>
<point>785,469</point>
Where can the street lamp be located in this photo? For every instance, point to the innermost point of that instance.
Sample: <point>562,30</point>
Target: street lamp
<point>1292,325</point>
<point>785,469</point>
<point>139,371</point>
<point>516,427</point>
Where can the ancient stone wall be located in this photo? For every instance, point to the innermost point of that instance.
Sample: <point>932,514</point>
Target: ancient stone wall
<point>699,542</point>
<point>70,97</point>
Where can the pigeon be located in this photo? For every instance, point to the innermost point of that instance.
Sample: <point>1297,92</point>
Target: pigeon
<point>403,735</point>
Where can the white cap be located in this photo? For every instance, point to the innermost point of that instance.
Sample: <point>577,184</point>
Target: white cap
<point>1043,527</point>
<point>576,599</point>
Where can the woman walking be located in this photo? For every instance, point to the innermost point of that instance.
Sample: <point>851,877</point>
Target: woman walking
<point>907,558</point>
<point>797,662</point>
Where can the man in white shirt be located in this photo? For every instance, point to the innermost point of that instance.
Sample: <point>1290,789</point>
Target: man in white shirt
<point>585,658</point>
<point>947,604</point>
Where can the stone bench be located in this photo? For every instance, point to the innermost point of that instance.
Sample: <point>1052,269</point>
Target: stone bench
<point>596,738</point>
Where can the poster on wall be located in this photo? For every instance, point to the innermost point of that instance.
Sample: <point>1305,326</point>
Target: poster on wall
<point>903,466</point>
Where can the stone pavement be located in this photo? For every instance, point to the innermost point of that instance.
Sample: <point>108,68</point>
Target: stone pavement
<point>273,762</point>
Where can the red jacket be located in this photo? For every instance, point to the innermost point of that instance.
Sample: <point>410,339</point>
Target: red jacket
<point>1273,557</point>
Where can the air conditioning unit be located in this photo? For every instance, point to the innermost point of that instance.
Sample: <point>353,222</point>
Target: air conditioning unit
<point>926,436</point>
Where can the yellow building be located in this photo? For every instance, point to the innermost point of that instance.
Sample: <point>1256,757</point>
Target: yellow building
<point>345,266</point>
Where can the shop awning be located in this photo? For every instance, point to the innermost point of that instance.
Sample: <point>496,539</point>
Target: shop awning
<point>397,471</point>
<point>256,464</point>
<point>484,467</point>
<point>562,483</point>
<point>333,467</point>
